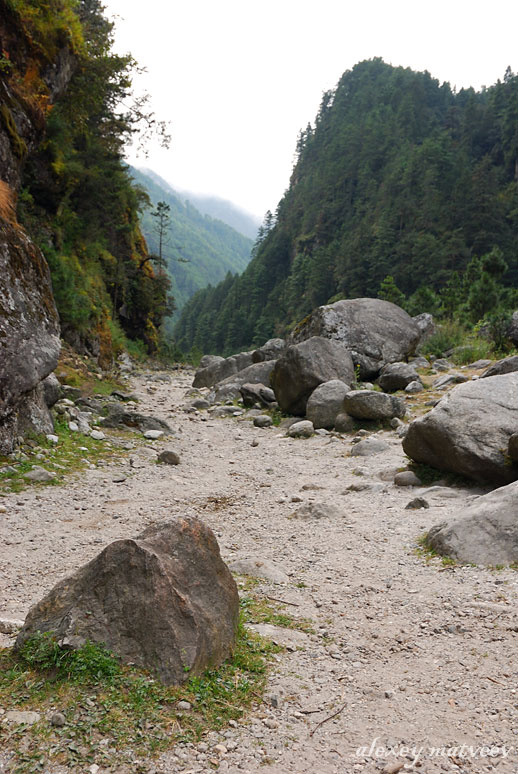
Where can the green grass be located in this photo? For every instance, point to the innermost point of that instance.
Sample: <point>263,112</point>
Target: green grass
<point>427,553</point>
<point>115,712</point>
<point>73,452</point>
<point>259,610</point>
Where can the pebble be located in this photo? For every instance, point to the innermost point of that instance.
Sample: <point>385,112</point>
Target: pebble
<point>220,749</point>
<point>169,457</point>
<point>153,435</point>
<point>97,435</point>
<point>255,443</point>
<point>58,720</point>
<point>184,706</point>
<point>54,439</point>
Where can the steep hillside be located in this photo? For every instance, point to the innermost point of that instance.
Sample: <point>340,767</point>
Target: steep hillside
<point>77,201</point>
<point>198,250</point>
<point>398,176</point>
<point>214,206</point>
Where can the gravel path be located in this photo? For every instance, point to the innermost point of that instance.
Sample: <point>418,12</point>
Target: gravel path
<point>407,654</point>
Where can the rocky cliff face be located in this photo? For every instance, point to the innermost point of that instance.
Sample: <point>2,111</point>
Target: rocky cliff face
<point>30,79</point>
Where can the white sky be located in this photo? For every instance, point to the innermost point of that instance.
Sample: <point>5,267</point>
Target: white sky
<point>238,79</point>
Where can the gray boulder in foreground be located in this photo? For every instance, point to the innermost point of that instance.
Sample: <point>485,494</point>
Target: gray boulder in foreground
<point>468,431</point>
<point>375,331</point>
<point>371,404</point>
<point>305,366</point>
<point>165,601</point>
<point>326,402</point>
<point>484,532</point>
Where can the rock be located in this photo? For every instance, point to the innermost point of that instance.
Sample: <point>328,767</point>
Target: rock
<point>441,364</point>
<point>164,601</point>
<point>225,411</point>
<point>51,390</point>
<point>208,360</point>
<point>416,504</point>
<point>97,435</point>
<point>344,423</point>
<point>414,387</point>
<point>169,457</point>
<point>29,337</point>
<point>479,364</point>
<point>512,447</point>
<point>375,331</point>
<point>263,420</point>
<point>256,393</point>
<point>257,373</point>
<point>200,404</point>
<point>184,706</point>
<point>370,404</point>
<point>39,475</point>
<point>468,431</point>
<point>10,626</point>
<point>302,429</point>
<point>120,418</point>
<point>57,720</point>
<point>407,478</point>
<point>419,362</point>
<point>396,376</point>
<point>259,568</point>
<point>153,435</point>
<point>305,366</point>
<point>272,350</point>
<point>425,324</point>
<point>326,402</point>
<point>312,511</point>
<point>51,438</point>
<point>225,392</point>
<point>218,370</point>
<point>483,532</point>
<point>506,366</point>
<point>19,718</point>
<point>448,379</point>
<point>368,447</point>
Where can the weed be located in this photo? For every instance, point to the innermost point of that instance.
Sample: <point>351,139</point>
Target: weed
<point>115,712</point>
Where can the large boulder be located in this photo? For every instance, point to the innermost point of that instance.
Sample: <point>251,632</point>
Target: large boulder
<point>506,366</point>
<point>306,365</point>
<point>29,336</point>
<point>375,331</point>
<point>468,431</point>
<point>396,376</point>
<point>257,373</point>
<point>256,393</point>
<point>484,532</point>
<point>326,402</point>
<point>219,369</point>
<point>371,404</point>
<point>164,601</point>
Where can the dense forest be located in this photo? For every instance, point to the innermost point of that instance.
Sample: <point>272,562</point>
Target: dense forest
<point>197,250</point>
<point>77,199</point>
<point>402,188</point>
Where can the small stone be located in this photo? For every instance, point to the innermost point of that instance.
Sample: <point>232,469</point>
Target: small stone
<point>414,387</point>
<point>27,718</point>
<point>94,769</point>
<point>389,694</point>
<point>169,457</point>
<point>54,439</point>
<point>10,626</point>
<point>406,478</point>
<point>255,443</point>
<point>153,435</point>
<point>3,509</point>
<point>303,429</point>
<point>416,503</point>
<point>220,749</point>
<point>97,435</point>
<point>184,706</point>
<point>263,420</point>
<point>39,475</point>
<point>119,479</point>
<point>58,720</point>
<point>271,723</point>
<point>73,426</point>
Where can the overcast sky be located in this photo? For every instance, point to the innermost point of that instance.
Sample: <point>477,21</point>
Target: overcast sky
<point>238,79</point>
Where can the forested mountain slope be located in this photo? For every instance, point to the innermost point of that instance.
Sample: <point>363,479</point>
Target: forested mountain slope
<point>198,250</point>
<point>398,176</point>
<point>214,206</point>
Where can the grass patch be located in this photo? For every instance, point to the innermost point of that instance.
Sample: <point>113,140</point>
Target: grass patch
<point>258,610</point>
<point>73,452</point>
<point>427,553</point>
<point>113,712</point>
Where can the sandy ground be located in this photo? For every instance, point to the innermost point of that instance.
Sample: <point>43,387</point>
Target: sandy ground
<point>417,661</point>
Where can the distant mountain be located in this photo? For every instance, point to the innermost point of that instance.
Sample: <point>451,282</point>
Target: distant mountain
<point>198,250</point>
<point>214,206</point>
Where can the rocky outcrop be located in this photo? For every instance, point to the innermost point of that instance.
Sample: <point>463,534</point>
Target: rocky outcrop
<point>306,365</point>
<point>468,431</point>
<point>376,332</point>
<point>484,532</point>
<point>164,601</point>
<point>29,336</point>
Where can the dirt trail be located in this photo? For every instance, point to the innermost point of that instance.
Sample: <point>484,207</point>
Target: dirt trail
<point>406,653</point>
